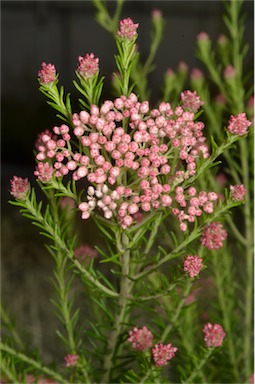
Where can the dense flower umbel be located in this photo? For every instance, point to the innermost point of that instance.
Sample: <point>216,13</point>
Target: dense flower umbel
<point>127,29</point>
<point>238,125</point>
<point>88,65</point>
<point>129,168</point>
<point>141,339</point>
<point>47,73</point>
<point>19,187</point>
<point>213,335</point>
<point>71,360</point>
<point>163,353</point>
<point>213,236</point>
<point>193,265</point>
<point>238,192</point>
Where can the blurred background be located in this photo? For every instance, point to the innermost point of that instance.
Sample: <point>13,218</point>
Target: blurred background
<point>58,32</point>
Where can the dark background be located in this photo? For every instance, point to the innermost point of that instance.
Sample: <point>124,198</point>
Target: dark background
<point>58,32</point>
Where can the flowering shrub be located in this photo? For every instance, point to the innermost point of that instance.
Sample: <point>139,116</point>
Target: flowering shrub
<point>146,175</point>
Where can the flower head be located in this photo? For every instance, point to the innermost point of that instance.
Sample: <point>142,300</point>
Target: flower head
<point>47,73</point>
<point>193,265</point>
<point>141,339</point>
<point>163,353</point>
<point>238,125</point>
<point>191,101</point>
<point>238,192</point>
<point>127,29</point>
<point>213,236</point>
<point>44,171</point>
<point>88,65</point>
<point>19,187</point>
<point>71,360</point>
<point>213,335</point>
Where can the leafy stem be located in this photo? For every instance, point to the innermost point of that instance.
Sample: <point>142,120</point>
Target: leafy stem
<point>121,311</point>
<point>32,363</point>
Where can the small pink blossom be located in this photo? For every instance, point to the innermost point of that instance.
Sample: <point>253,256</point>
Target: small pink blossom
<point>238,125</point>
<point>222,40</point>
<point>47,73</point>
<point>221,179</point>
<point>44,171</point>
<point>163,353</point>
<point>203,36</point>
<point>196,74</point>
<point>251,380</point>
<point>141,339</point>
<point>191,101</point>
<point>220,99</point>
<point>193,265</point>
<point>156,13</point>
<point>238,192</point>
<point>213,236</point>
<point>127,29</point>
<point>84,253</point>
<point>213,335</point>
<point>71,360</point>
<point>19,187</point>
<point>88,65</point>
<point>229,72</point>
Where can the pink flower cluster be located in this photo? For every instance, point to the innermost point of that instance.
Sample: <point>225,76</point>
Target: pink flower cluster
<point>129,168</point>
<point>163,353</point>
<point>71,360</point>
<point>191,101</point>
<point>88,65</point>
<point>213,335</point>
<point>238,192</point>
<point>127,29</point>
<point>195,204</point>
<point>238,125</point>
<point>47,73</point>
<point>141,339</point>
<point>19,187</point>
<point>213,236</point>
<point>193,265</point>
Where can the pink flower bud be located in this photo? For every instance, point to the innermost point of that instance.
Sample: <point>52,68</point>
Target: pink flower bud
<point>19,188</point>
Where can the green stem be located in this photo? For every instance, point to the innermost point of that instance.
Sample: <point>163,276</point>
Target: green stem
<point>121,311</point>
<point>153,234</point>
<point>8,373</point>
<point>235,28</point>
<point>169,327</point>
<point>249,262</point>
<point>224,305</point>
<point>6,321</point>
<point>33,363</point>
<point>198,368</point>
<point>177,311</point>
<point>63,300</point>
